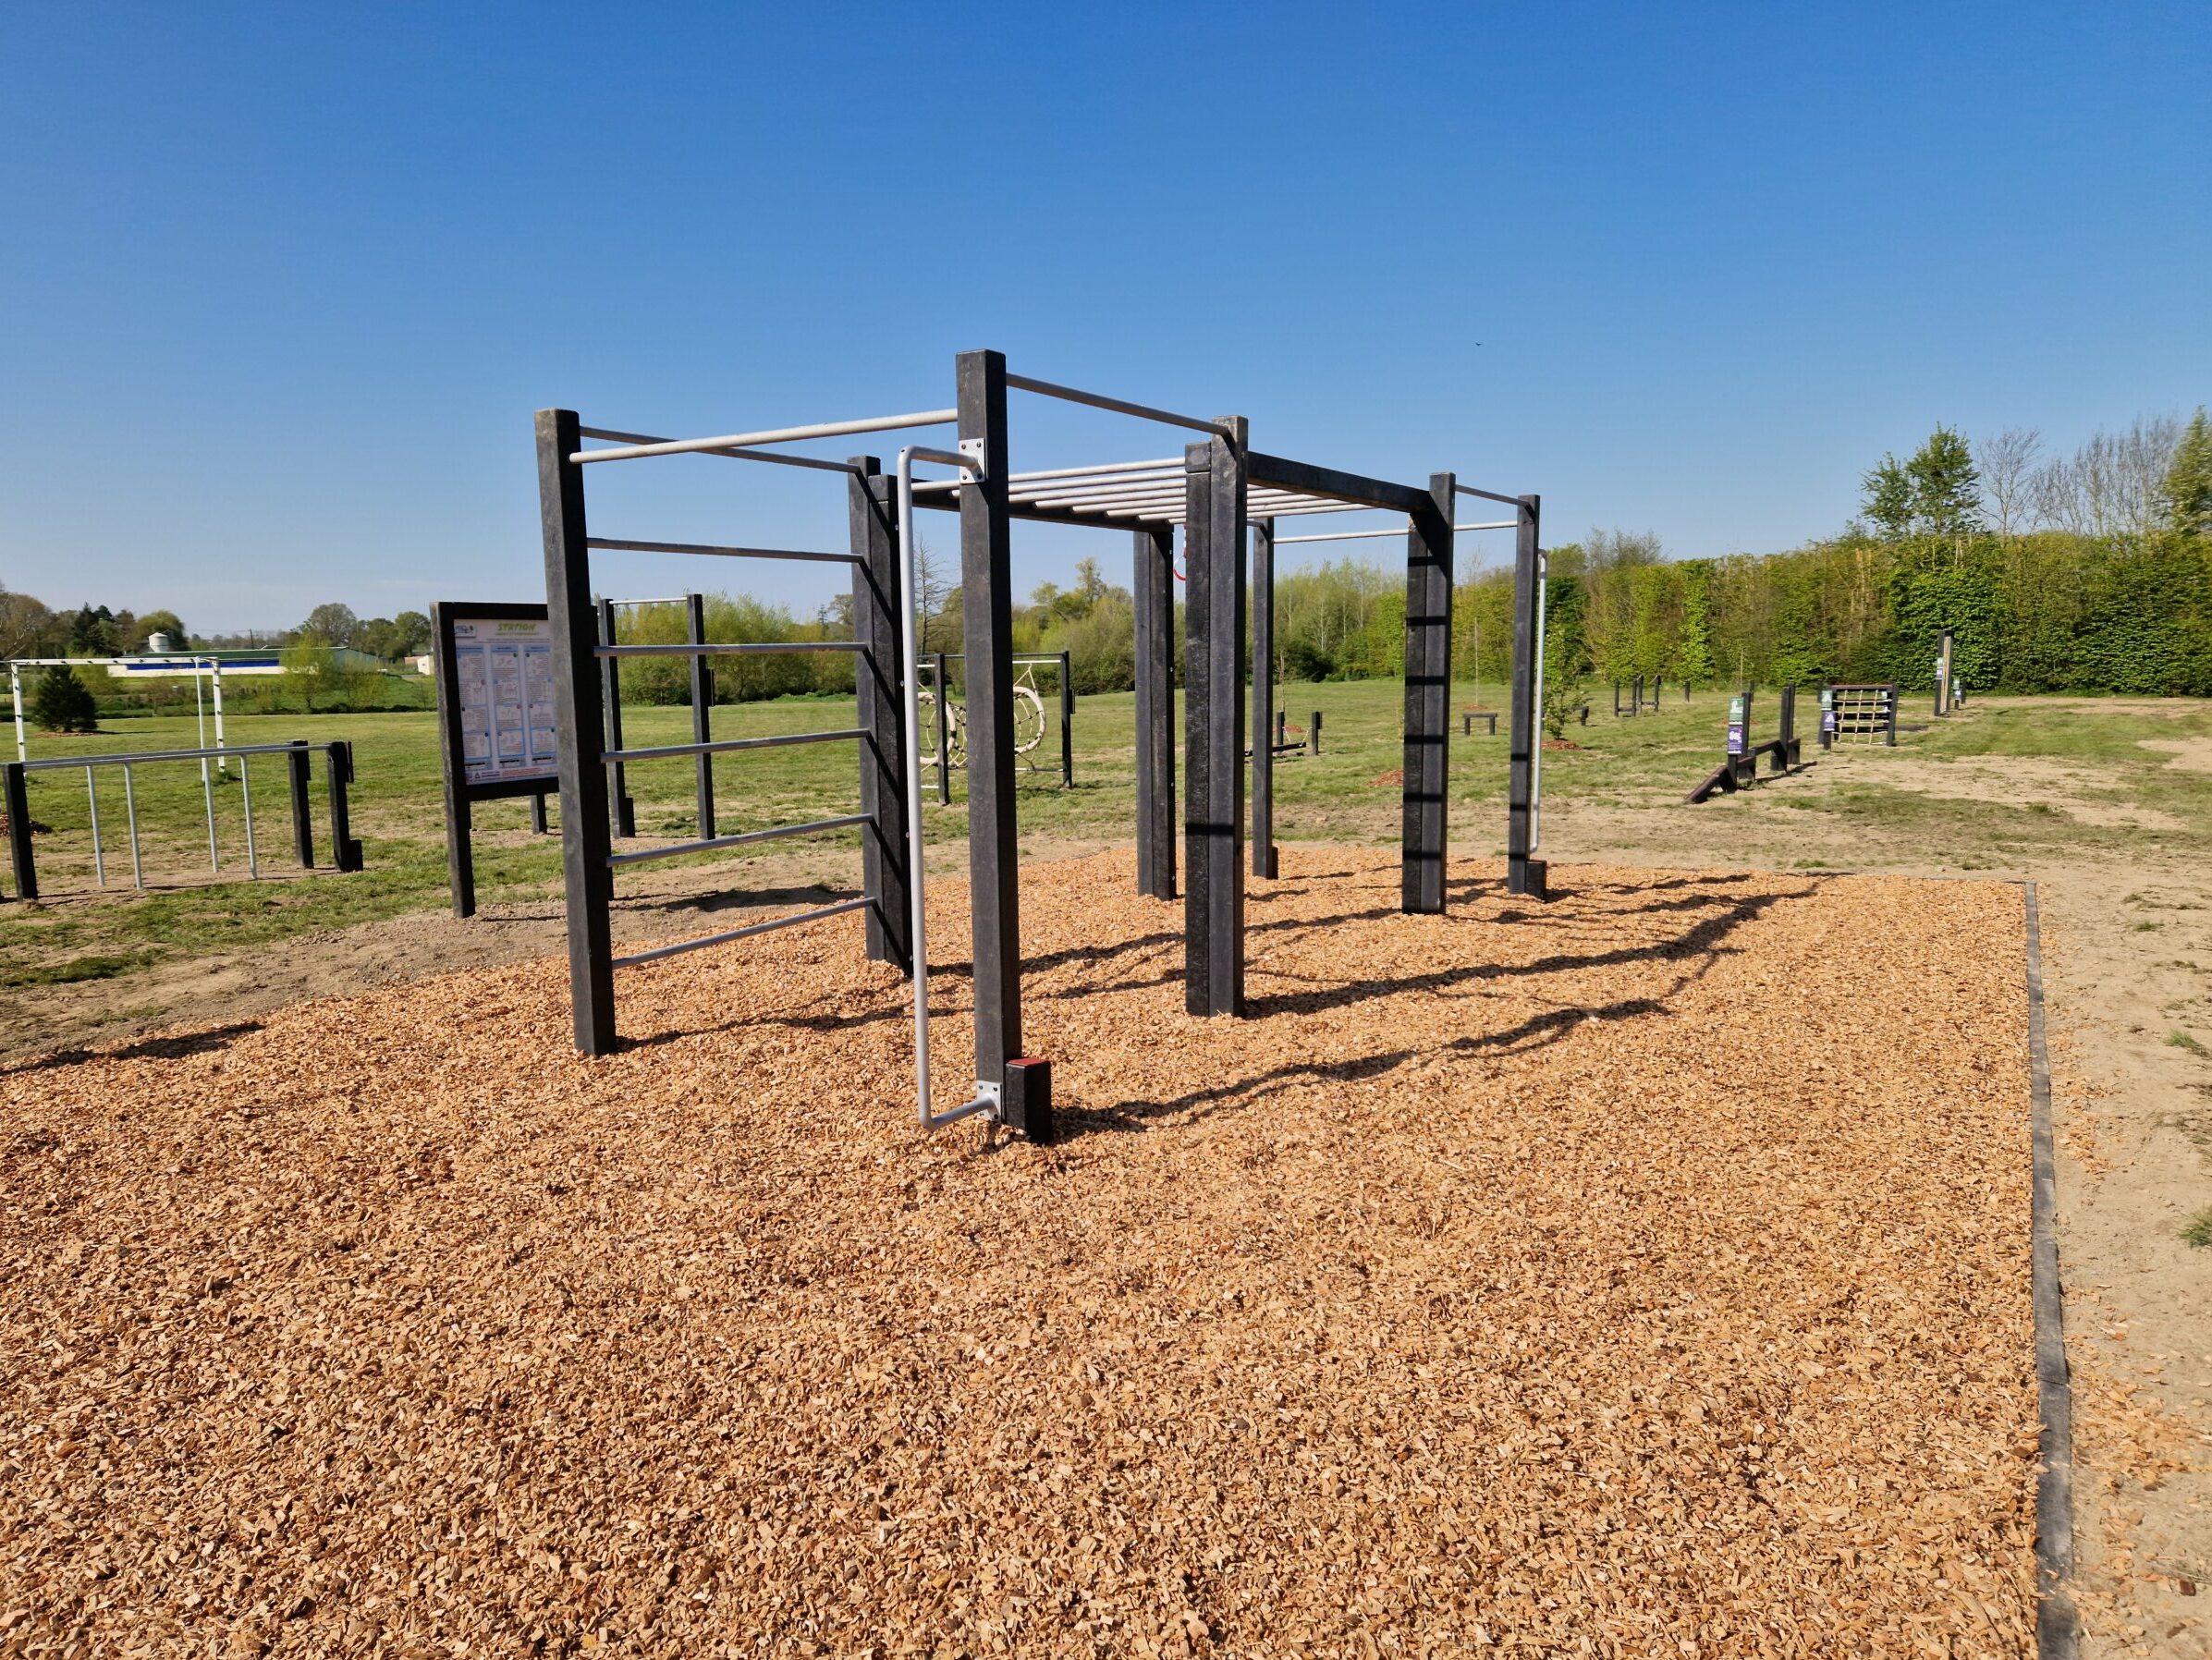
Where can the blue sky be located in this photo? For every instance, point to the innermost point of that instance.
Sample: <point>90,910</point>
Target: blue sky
<point>282,284</point>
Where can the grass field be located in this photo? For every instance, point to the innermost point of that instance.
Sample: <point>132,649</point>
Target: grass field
<point>1626,775</point>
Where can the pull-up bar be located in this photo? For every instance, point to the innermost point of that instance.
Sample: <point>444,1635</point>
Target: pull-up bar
<point>735,454</point>
<point>1120,406</point>
<point>1488,496</point>
<point>624,545</point>
<point>1502,524</point>
<point>789,434</point>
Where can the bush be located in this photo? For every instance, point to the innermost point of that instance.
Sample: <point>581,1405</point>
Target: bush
<point>64,703</point>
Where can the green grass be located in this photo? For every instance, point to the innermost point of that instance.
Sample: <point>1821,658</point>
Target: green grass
<point>2197,1230</point>
<point>1348,793</point>
<point>2182,1040</point>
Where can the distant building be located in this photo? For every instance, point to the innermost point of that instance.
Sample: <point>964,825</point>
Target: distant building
<point>259,661</point>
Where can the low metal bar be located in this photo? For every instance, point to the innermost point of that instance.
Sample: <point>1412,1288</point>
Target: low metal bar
<point>207,788</point>
<point>624,545</point>
<point>91,796</point>
<point>674,599</point>
<point>1098,401</point>
<point>736,454</point>
<point>736,934</point>
<point>1102,471</point>
<point>1502,524</point>
<point>709,844</point>
<point>728,647</point>
<point>718,746</point>
<point>141,756</point>
<point>130,811</point>
<point>789,434</point>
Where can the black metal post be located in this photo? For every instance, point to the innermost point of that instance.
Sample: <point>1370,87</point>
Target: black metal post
<point>537,813</point>
<point>337,774</point>
<point>994,854</point>
<point>880,680</point>
<point>702,705</point>
<point>1525,873</point>
<point>1314,735</point>
<point>16,796</point>
<point>1263,698</point>
<point>625,811</point>
<point>1067,726</point>
<point>1889,727</point>
<point>1786,728</point>
<point>586,833</point>
<point>1154,587</point>
<point>1428,701</point>
<point>1214,744</point>
<point>944,735</point>
<point>1282,728</point>
<point>298,773</point>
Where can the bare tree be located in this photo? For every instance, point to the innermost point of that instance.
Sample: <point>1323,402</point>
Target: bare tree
<point>2113,485</point>
<point>2007,463</point>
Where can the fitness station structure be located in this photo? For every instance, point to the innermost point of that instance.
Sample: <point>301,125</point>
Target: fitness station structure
<point>1216,490</point>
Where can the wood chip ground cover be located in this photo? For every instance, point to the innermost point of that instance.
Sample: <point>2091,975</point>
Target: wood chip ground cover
<point>1641,1274</point>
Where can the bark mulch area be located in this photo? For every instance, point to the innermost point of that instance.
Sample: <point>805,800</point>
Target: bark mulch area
<point>1641,1274</point>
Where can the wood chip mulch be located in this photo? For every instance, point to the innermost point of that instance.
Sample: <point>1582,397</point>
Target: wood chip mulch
<point>1644,1272</point>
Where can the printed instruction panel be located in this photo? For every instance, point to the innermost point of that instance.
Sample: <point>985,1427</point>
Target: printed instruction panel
<point>508,728</point>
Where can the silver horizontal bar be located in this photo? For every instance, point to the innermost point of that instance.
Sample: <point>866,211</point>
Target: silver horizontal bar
<point>722,939</point>
<point>1503,524</point>
<point>728,647</point>
<point>1102,471</point>
<point>722,745</point>
<point>713,842</point>
<point>789,434</point>
<point>1494,524</point>
<point>137,756</point>
<point>737,454</point>
<point>624,604</point>
<point>623,545</point>
<point>1488,496</point>
<point>1120,406</point>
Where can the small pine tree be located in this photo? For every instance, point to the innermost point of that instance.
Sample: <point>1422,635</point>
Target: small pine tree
<point>2189,481</point>
<point>64,703</point>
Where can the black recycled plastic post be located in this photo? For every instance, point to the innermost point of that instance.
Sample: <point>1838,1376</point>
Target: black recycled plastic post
<point>1154,588</point>
<point>879,684</point>
<point>1890,726</point>
<point>703,704</point>
<point>625,811</point>
<point>24,862</point>
<point>1214,663</point>
<point>1785,756</point>
<point>1525,873</point>
<point>337,773</point>
<point>299,775</point>
<point>1426,763</point>
<point>1314,735</point>
<point>537,813</point>
<point>1263,698</point>
<point>944,735</point>
<point>460,818</point>
<point>586,833</point>
<point>994,902</point>
<point>1827,717</point>
<point>1066,725</point>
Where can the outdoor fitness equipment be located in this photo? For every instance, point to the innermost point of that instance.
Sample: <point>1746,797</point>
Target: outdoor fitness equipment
<point>947,717</point>
<point>15,797</point>
<point>207,687</point>
<point>1215,490</point>
<point>1739,768</point>
<point>1865,713</point>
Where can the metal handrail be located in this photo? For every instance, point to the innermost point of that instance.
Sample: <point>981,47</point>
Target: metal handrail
<point>722,939</point>
<point>728,647</point>
<point>131,760</point>
<point>670,751</point>
<point>812,827</point>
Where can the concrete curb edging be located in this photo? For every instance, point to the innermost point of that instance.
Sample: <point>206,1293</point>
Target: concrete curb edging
<point>2057,1628</point>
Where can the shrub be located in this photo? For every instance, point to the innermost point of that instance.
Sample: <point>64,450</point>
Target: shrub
<point>64,703</point>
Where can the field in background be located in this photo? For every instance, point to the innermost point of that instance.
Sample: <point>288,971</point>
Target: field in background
<point>2013,783</point>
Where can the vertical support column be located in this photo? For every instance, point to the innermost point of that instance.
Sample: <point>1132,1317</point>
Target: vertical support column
<point>1786,757</point>
<point>1428,700</point>
<point>943,734</point>
<point>453,767</point>
<point>1889,723</point>
<point>1066,725</point>
<point>1524,874</point>
<point>580,719</point>
<point>1943,659</point>
<point>880,681</point>
<point>625,811</point>
<point>703,708</point>
<point>994,854</point>
<point>1214,664</point>
<point>337,775</point>
<point>1154,587</point>
<point>537,813</point>
<point>1263,698</point>
<point>299,774</point>
<point>15,797</point>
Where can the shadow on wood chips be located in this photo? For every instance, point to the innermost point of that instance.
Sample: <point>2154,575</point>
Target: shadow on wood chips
<point>1642,1272</point>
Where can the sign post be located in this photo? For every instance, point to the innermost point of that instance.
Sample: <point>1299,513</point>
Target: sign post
<point>496,729</point>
